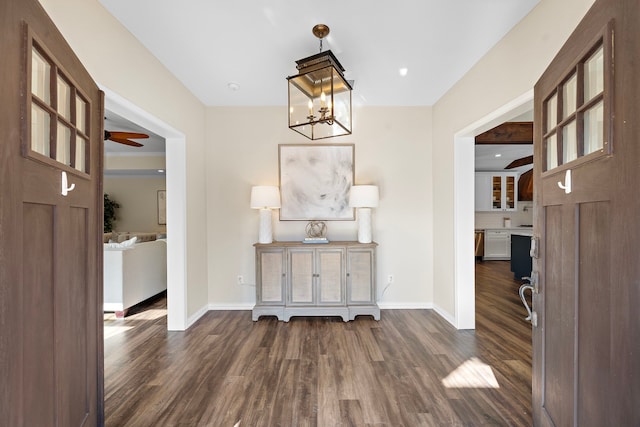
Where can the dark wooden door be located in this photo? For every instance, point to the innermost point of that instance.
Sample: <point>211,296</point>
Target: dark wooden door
<point>50,239</point>
<point>586,344</point>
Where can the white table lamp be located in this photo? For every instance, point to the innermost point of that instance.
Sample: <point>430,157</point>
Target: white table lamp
<point>364,197</point>
<point>265,198</point>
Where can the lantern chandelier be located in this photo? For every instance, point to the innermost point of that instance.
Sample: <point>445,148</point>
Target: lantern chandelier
<point>319,95</point>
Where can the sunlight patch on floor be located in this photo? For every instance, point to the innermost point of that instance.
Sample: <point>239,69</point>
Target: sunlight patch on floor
<point>111,331</point>
<point>471,374</point>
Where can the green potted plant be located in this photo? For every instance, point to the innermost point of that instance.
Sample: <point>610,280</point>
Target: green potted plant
<point>110,207</point>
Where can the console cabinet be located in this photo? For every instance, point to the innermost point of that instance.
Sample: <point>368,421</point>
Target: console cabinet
<point>301,279</point>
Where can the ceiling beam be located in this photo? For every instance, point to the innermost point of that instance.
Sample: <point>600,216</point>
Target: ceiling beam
<point>508,133</point>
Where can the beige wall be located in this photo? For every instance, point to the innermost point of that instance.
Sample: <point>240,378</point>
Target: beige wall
<point>407,151</point>
<point>120,63</point>
<point>392,150</point>
<point>137,197</point>
<point>129,162</point>
<point>510,69</point>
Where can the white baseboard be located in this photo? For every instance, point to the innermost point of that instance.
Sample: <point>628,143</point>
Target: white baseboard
<point>405,305</point>
<point>383,306</point>
<point>230,307</point>
<point>445,315</point>
<point>195,316</point>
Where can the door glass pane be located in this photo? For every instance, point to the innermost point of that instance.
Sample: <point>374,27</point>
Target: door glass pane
<point>552,113</point>
<point>63,150</point>
<point>594,128</point>
<point>80,154</point>
<point>594,74</point>
<point>569,142</point>
<point>40,126</point>
<point>64,99</point>
<point>496,188</point>
<point>81,115</point>
<point>40,77</point>
<point>569,99</point>
<point>552,151</point>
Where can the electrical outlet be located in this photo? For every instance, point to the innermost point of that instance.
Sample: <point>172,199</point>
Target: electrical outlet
<point>240,280</point>
<point>390,278</point>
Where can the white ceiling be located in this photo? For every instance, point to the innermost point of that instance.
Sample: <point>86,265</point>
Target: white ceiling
<point>208,44</point>
<point>155,144</point>
<point>491,157</point>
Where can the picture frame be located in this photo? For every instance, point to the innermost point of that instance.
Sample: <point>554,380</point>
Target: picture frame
<point>162,207</point>
<point>315,181</point>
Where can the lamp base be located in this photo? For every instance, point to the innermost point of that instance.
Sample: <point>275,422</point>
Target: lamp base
<point>364,225</point>
<point>265,234</point>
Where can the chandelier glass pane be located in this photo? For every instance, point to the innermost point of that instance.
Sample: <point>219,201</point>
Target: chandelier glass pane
<point>320,98</point>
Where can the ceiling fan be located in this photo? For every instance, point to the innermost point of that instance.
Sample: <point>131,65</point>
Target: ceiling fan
<point>123,137</point>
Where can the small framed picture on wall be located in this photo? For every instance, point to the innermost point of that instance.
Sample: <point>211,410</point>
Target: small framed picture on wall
<point>162,207</point>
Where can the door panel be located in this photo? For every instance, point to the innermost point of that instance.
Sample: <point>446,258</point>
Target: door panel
<point>559,310</point>
<point>301,277</point>
<point>593,329</point>
<point>330,286</point>
<point>585,345</point>
<point>360,276</point>
<point>73,294</point>
<point>51,245</point>
<point>38,267</point>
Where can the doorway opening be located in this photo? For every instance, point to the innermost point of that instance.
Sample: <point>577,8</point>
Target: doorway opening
<point>464,212</point>
<point>175,146</point>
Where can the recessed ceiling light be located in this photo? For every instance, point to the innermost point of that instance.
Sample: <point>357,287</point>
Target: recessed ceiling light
<point>161,170</point>
<point>233,86</point>
<point>403,71</point>
<point>498,155</point>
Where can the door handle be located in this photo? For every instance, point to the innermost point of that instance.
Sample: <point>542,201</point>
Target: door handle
<point>524,301</point>
<point>567,182</point>
<point>65,185</point>
<point>533,287</point>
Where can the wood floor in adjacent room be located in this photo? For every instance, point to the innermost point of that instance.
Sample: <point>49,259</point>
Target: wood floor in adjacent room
<point>411,368</point>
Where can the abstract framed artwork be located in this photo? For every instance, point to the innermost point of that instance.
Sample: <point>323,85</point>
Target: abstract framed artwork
<point>315,181</point>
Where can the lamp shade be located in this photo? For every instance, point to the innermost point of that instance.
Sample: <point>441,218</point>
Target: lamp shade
<point>265,197</point>
<point>363,196</point>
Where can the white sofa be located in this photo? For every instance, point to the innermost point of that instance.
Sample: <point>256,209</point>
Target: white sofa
<point>133,274</point>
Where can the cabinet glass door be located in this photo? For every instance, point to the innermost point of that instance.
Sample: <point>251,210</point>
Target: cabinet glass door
<point>510,199</point>
<point>496,192</point>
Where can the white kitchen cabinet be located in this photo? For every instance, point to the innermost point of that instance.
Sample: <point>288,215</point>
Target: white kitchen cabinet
<point>496,191</point>
<point>299,279</point>
<point>497,245</point>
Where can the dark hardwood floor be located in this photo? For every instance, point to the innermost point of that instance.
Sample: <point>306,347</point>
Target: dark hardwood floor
<point>411,368</point>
